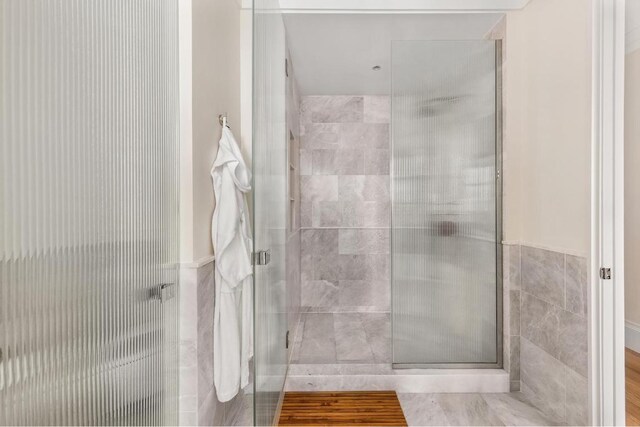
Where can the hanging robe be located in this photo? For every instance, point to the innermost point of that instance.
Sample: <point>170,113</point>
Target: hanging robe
<point>231,237</point>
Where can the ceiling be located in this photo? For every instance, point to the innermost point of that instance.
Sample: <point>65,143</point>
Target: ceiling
<point>333,54</point>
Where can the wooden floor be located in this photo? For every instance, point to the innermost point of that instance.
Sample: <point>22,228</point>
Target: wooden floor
<point>632,363</point>
<point>351,408</point>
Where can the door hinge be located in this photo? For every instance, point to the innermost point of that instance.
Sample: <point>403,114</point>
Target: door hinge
<point>286,67</point>
<point>262,257</point>
<point>286,339</point>
<point>605,273</point>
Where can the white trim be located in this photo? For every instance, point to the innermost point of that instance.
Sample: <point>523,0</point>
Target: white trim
<point>632,336</point>
<point>632,40</point>
<point>606,314</point>
<point>200,263</point>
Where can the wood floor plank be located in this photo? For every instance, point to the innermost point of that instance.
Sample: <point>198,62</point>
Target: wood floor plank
<point>632,364</point>
<point>350,408</point>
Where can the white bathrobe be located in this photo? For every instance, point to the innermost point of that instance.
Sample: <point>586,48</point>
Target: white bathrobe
<point>231,237</point>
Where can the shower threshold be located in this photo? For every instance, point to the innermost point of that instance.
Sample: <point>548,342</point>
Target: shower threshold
<point>382,376</point>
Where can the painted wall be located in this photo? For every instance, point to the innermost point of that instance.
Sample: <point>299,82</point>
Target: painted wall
<point>214,56</point>
<point>632,190</point>
<point>547,144</point>
<point>548,125</point>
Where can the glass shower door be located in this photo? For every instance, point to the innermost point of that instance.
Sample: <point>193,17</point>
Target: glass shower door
<point>88,212</point>
<point>446,252</point>
<point>270,202</point>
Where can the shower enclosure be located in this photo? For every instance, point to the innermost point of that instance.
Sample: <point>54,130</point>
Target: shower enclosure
<point>88,212</point>
<point>446,204</point>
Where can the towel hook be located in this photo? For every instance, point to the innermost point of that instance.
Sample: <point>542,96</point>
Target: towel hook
<point>222,118</point>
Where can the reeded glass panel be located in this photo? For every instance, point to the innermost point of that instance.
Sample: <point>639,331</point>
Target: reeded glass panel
<point>444,222</point>
<point>270,207</point>
<point>88,212</point>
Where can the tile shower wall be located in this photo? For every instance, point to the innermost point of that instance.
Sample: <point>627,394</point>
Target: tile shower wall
<point>548,330</point>
<point>345,203</point>
<point>292,107</point>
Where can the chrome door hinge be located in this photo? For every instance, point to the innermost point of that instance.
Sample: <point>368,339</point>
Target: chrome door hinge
<point>605,273</point>
<point>262,257</point>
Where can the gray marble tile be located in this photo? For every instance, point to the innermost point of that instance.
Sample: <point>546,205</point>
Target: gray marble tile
<point>540,323</point>
<point>366,188</point>
<point>323,162</point>
<point>364,267</point>
<point>543,274</point>
<point>506,348</point>
<point>366,214</point>
<point>318,339</point>
<point>319,136</point>
<point>306,162</point>
<point>513,266</point>
<point>319,188</point>
<point>363,241</point>
<point>326,267</point>
<point>338,162</point>
<point>306,254</point>
<point>306,214</point>
<point>576,283</point>
<point>515,410</point>
<point>319,293</point>
<point>378,329</point>
<point>365,293</point>
<point>332,109</point>
<point>377,109</point>
<point>326,214</point>
<point>577,399</point>
<point>364,135</point>
<point>376,162</point>
<point>542,379</point>
<point>319,252</point>
<point>351,339</point>
<point>514,312</point>
<point>467,410</point>
<point>573,341</point>
<point>422,409</point>
<point>514,361</point>
<point>210,410</point>
<point>320,241</point>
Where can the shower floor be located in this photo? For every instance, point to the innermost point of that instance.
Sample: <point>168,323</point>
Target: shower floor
<point>343,338</point>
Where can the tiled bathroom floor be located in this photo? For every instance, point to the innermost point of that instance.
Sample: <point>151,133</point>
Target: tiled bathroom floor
<point>473,409</point>
<point>343,338</point>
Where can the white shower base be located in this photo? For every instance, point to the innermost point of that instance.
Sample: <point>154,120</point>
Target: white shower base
<point>354,377</point>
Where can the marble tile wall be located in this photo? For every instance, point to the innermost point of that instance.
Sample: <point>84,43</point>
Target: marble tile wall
<point>511,313</point>
<point>198,402</point>
<point>345,210</point>
<point>552,341</point>
<point>293,244</point>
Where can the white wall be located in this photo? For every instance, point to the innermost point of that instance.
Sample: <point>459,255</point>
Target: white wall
<point>548,125</point>
<point>211,62</point>
<point>632,189</point>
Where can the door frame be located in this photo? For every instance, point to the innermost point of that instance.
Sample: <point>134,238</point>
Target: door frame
<point>606,348</point>
<point>606,318</point>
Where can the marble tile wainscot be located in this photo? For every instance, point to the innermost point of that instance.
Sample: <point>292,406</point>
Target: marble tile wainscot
<point>553,330</point>
<point>198,402</point>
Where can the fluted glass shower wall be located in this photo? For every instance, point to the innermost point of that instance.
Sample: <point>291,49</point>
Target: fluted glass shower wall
<point>88,212</point>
